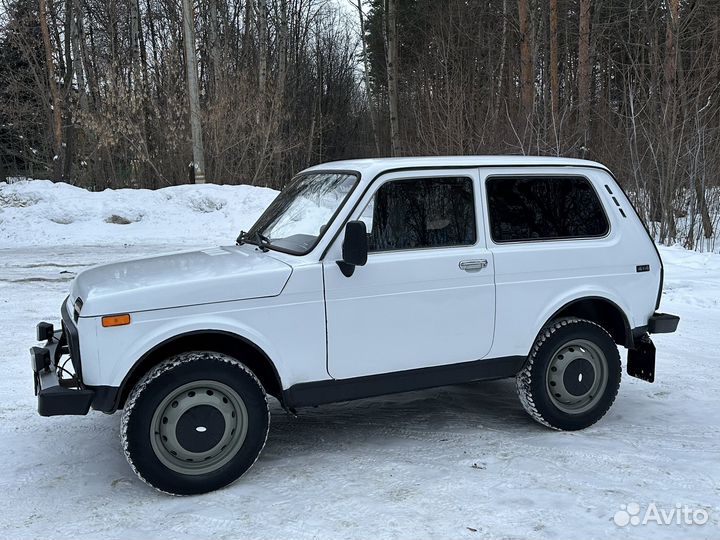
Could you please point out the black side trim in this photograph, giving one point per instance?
(334, 390)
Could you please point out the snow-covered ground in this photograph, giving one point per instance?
(462, 461)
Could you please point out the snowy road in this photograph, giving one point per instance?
(462, 461)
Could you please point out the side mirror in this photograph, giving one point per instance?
(354, 248)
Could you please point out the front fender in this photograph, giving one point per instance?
(120, 348)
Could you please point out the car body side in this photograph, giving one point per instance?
(533, 282)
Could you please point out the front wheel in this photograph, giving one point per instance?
(571, 376)
(195, 423)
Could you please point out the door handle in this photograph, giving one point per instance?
(473, 265)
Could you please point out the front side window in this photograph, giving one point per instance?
(544, 208)
(299, 215)
(421, 213)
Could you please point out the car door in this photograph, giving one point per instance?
(426, 296)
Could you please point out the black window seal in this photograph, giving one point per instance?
(608, 223)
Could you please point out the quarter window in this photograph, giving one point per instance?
(544, 208)
(421, 213)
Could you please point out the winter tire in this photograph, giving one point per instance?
(195, 423)
(571, 376)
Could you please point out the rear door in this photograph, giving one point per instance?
(426, 296)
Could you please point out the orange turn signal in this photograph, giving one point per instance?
(116, 320)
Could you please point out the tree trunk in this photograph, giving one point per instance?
(54, 92)
(503, 52)
(135, 40)
(670, 115)
(262, 60)
(366, 79)
(527, 90)
(193, 92)
(584, 76)
(247, 33)
(392, 75)
(78, 38)
(282, 47)
(214, 37)
(554, 63)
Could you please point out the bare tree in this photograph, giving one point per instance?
(366, 78)
(584, 74)
(392, 76)
(554, 63)
(54, 91)
(527, 90)
(262, 37)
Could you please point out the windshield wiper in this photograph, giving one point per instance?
(259, 239)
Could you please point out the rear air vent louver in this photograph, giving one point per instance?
(622, 212)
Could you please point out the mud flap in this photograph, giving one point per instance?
(641, 360)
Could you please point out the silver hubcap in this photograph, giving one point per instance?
(199, 427)
(577, 376)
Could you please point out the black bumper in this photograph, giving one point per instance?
(663, 323)
(58, 391)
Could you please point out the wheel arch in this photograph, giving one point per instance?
(220, 341)
(602, 311)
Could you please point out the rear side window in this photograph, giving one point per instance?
(544, 208)
(421, 213)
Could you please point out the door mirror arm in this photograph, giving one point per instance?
(354, 248)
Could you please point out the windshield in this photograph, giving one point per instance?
(299, 215)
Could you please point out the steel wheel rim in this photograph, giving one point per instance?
(577, 376)
(199, 427)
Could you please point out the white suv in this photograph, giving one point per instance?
(364, 278)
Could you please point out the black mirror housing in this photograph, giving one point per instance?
(354, 248)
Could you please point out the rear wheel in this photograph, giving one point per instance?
(572, 375)
(195, 423)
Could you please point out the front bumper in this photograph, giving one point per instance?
(59, 391)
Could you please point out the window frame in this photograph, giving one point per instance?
(584, 178)
(475, 206)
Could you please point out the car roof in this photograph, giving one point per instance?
(370, 167)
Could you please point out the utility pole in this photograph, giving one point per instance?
(193, 92)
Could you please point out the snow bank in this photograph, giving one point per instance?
(40, 212)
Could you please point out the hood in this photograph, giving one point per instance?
(180, 279)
